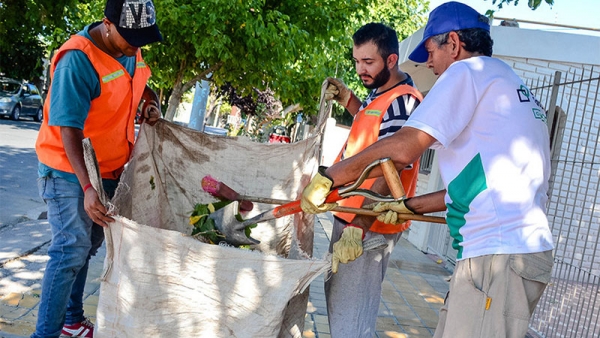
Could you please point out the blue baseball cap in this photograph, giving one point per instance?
(448, 17)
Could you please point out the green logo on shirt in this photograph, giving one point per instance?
(539, 114)
(373, 112)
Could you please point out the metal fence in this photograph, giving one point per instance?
(570, 306)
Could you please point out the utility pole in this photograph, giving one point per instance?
(198, 112)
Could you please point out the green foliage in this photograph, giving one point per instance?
(30, 28)
(533, 4)
(288, 46)
(247, 229)
(204, 226)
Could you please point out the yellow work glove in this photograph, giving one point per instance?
(314, 195)
(394, 210)
(348, 247)
(337, 90)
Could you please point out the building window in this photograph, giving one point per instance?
(426, 161)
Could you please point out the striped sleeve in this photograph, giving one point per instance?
(397, 114)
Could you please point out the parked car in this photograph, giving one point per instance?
(19, 99)
(279, 135)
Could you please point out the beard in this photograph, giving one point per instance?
(379, 80)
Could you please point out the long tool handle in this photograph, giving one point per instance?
(292, 206)
(367, 212)
(265, 200)
(288, 209)
(389, 171)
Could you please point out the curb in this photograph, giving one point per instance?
(10, 335)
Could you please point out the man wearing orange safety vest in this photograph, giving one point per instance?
(353, 290)
(98, 81)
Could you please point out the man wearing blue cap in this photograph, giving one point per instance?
(493, 149)
(98, 81)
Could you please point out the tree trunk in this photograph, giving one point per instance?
(217, 112)
(291, 109)
(210, 107)
(176, 94)
(179, 87)
(174, 101)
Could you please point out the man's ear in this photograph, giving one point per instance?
(392, 61)
(455, 44)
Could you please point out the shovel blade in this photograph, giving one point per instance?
(230, 227)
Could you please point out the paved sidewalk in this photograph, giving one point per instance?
(412, 293)
(23, 257)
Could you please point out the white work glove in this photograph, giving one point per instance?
(337, 90)
(315, 193)
(348, 247)
(394, 212)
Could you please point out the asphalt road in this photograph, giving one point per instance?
(19, 199)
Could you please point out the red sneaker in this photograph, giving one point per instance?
(84, 329)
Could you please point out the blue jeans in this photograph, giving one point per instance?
(75, 238)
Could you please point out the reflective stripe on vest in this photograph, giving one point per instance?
(110, 121)
(364, 132)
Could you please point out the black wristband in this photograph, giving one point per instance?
(321, 172)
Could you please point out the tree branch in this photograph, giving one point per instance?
(201, 76)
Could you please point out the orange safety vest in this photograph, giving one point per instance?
(363, 133)
(109, 123)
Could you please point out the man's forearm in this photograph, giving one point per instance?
(353, 105)
(72, 138)
(404, 148)
(424, 204)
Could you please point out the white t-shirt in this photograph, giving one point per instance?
(494, 157)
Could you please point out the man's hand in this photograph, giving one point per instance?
(314, 195)
(95, 209)
(348, 247)
(394, 212)
(150, 112)
(337, 90)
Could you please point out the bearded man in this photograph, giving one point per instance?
(353, 291)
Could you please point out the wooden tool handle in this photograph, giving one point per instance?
(367, 212)
(224, 191)
(392, 178)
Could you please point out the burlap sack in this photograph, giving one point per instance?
(159, 282)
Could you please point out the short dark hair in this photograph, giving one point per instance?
(382, 36)
(476, 40)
